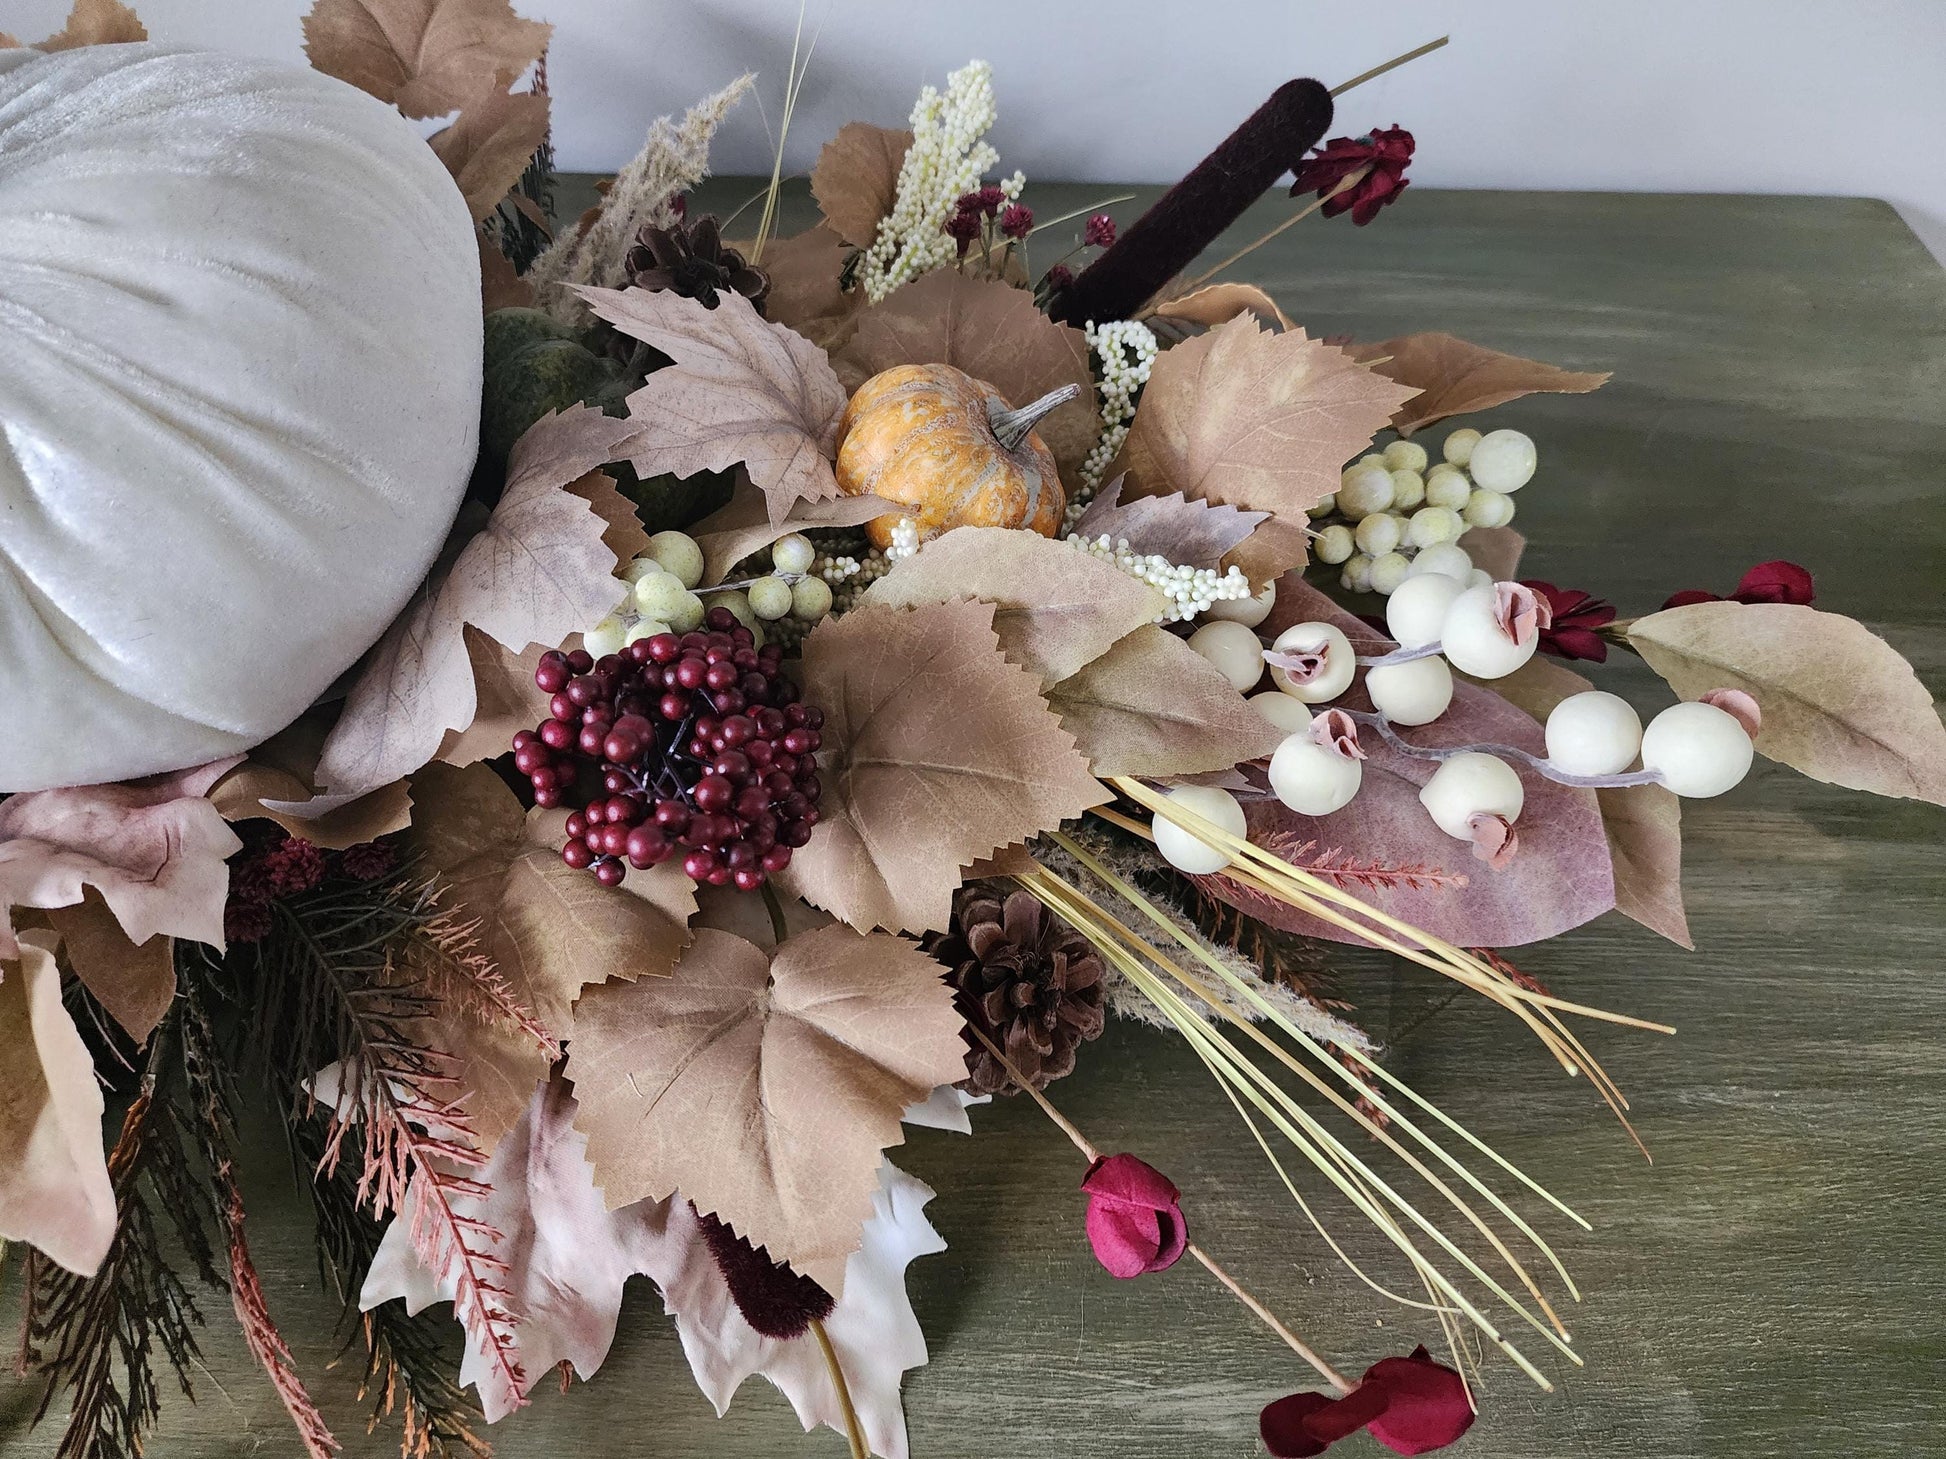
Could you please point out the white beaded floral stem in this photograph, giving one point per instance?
(1541, 766)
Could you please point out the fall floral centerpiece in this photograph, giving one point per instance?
(659, 706)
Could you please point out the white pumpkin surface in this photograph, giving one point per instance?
(239, 390)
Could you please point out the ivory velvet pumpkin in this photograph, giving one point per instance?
(945, 445)
(240, 325)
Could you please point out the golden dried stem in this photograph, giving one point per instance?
(854, 1433)
(1392, 65)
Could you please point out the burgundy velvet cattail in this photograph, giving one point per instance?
(1187, 218)
(773, 1299)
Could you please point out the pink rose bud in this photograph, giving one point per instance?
(1135, 1221)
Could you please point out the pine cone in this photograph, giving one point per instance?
(1027, 980)
(690, 259)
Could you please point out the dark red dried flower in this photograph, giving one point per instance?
(369, 860)
(245, 922)
(1016, 221)
(775, 1300)
(1058, 277)
(991, 198)
(1098, 232)
(1767, 582)
(293, 866)
(1576, 615)
(1411, 1405)
(1135, 1220)
(963, 227)
(1384, 153)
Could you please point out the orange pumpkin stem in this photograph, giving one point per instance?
(1010, 427)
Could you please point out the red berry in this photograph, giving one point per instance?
(577, 855)
(556, 734)
(577, 826)
(673, 706)
(721, 620)
(698, 864)
(546, 797)
(712, 793)
(749, 878)
(672, 816)
(777, 858)
(609, 872)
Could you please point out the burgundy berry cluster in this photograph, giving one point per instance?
(693, 745)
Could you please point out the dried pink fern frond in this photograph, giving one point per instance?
(260, 1332)
(1338, 865)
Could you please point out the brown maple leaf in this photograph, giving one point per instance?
(281, 771)
(427, 57)
(856, 179)
(1188, 532)
(805, 271)
(937, 751)
(742, 391)
(96, 23)
(1153, 706)
(993, 332)
(1458, 378)
(1219, 304)
(1054, 608)
(742, 525)
(538, 572)
(488, 147)
(1246, 418)
(54, 1188)
(135, 982)
(765, 1084)
(546, 929)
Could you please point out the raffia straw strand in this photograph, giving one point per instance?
(1392, 65)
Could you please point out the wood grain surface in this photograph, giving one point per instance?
(1773, 1284)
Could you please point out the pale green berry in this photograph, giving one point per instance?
(1379, 533)
(771, 597)
(1370, 458)
(1357, 576)
(1446, 558)
(1458, 448)
(1449, 489)
(1408, 490)
(1503, 461)
(1405, 456)
(645, 628)
(792, 554)
(687, 616)
(1488, 509)
(1335, 544)
(606, 637)
(1388, 571)
(657, 595)
(738, 602)
(1431, 526)
(678, 554)
(810, 599)
(1322, 509)
(1364, 490)
(640, 568)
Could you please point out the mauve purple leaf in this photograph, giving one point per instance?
(1561, 878)
(1188, 533)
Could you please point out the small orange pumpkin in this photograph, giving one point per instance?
(934, 439)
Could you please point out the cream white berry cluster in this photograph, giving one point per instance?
(660, 593)
(1125, 351)
(1487, 631)
(1394, 516)
(948, 158)
(1190, 590)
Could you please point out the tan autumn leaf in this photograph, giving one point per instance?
(488, 147)
(993, 332)
(742, 525)
(55, 1193)
(1219, 304)
(1494, 550)
(856, 179)
(622, 532)
(508, 700)
(1643, 822)
(742, 391)
(1189, 533)
(134, 982)
(1458, 378)
(1247, 418)
(280, 772)
(937, 751)
(1054, 608)
(1838, 701)
(805, 270)
(1153, 706)
(500, 286)
(538, 572)
(765, 1085)
(427, 57)
(154, 849)
(96, 23)
(545, 928)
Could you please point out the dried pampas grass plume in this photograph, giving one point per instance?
(673, 159)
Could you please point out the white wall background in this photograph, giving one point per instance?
(1785, 96)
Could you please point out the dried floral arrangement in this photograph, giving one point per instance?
(838, 672)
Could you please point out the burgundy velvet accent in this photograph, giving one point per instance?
(775, 1300)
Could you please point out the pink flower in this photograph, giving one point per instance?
(1017, 221)
(1767, 582)
(1098, 232)
(1135, 1221)
(1337, 731)
(1385, 152)
(1411, 1405)
(1521, 612)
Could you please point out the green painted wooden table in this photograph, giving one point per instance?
(1773, 1284)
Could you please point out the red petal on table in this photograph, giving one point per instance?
(1427, 1408)
(1308, 1423)
(1690, 595)
(1775, 582)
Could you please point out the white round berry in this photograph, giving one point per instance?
(1698, 749)
(1378, 534)
(1389, 571)
(1479, 578)
(658, 594)
(1503, 461)
(1414, 692)
(1415, 614)
(1364, 490)
(1448, 487)
(1593, 733)
(1431, 526)
(1248, 611)
(1357, 576)
(1235, 650)
(1335, 544)
(1458, 447)
(1340, 661)
(1471, 784)
(810, 599)
(1488, 509)
(1312, 780)
(678, 554)
(1288, 714)
(1183, 850)
(1405, 456)
(606, 637)
(1448, 558)
(792, 553)
(1475, 643)
(771, 597)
